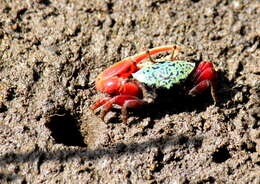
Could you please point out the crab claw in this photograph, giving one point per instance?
(204, 77)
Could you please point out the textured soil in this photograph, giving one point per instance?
(52, 50)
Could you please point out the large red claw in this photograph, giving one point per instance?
(127, 66)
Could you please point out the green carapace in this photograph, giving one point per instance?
(164, 74)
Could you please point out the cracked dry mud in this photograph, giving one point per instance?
(52, 50)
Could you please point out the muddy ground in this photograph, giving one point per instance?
(52, 50)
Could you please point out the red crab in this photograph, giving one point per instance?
(127, 92)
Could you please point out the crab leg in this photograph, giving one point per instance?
(133, 104)
(126, 101)
(99, 103)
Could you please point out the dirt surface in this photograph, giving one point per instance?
(52, 50)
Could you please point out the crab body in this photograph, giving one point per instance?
(125, 81)
(164, 74)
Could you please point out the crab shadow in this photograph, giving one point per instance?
(39, 156)
(169, 102)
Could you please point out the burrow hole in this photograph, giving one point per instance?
(64, 129)
(221, 155)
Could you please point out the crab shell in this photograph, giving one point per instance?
(164, 74)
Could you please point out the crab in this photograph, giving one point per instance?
(126, 81)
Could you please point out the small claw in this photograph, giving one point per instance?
(205, 76)
(204, 71)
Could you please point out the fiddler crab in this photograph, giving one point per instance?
(126, 82)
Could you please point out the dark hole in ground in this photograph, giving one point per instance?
(221, 155)
(64, 130)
